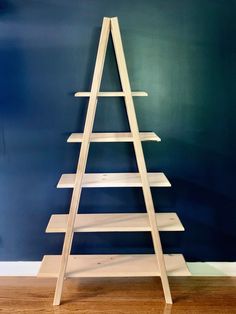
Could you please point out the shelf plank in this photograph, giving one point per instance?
(113, 137)
(138, 265)
(110, 94)
(129, 179)
(115, 222)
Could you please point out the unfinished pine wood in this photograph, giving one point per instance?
(124, 77)
(115, 222)
(110, 94)
(92, 104)
(113, 137)
(100, 180)
(118, 265)
(138, 265)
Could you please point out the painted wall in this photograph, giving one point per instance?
(183, 54)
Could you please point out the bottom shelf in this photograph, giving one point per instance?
(139, 265)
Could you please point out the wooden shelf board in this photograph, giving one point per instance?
(113, 137)
(110, 94)
(115, 222)
(129, 179)
(113, 265)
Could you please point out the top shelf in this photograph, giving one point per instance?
(110, 94)
(113, 137)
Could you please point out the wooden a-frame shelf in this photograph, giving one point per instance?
(115, 222)
(121, 265)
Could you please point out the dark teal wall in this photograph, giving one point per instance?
(183, 53)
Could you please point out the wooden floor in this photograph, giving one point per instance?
(119, 295)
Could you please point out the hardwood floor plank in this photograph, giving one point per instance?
(191, 295)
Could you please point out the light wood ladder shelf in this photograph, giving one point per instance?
(122, 265)
(110, 94)
(100, 180)
(113, 137)
(115, 222)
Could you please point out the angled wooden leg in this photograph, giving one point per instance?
(139, 155)
(83, 156)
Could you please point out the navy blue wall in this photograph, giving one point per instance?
(183, 54)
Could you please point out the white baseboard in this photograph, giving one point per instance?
(212, 268)
(196, 268)
(19, 268)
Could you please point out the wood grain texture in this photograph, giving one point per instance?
(110, 94)
(99, 180)
(122, 265)
(115, 222)
(191, 295)
(113, 137)
(75, 200)
(145, 182)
